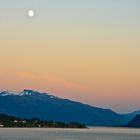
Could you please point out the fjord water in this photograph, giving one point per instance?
(70, 134)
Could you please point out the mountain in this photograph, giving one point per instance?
(135, 122)
(132, 115)
(29, 104)
(135, 113)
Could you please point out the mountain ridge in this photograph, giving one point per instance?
(30, 103)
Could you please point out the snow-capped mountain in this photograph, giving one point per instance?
(29, 104)
(25, 92)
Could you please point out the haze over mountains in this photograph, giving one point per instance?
(29, 104)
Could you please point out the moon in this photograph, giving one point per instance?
(31, 13)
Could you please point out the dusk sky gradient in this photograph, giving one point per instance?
(85, 50)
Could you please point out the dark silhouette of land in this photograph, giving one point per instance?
(10, 121)
(135, 123)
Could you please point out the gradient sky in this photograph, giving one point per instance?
(86, 50)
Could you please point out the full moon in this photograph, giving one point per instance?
(30, 13)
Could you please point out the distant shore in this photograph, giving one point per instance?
(14, 122)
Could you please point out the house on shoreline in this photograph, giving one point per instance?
(1, 125)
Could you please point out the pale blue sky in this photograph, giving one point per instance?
(104, 10)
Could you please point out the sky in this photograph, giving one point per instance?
(85, 50)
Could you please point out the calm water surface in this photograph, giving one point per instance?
(70, 134)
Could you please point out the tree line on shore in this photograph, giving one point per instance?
(10, 121)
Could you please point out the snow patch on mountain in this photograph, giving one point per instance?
(23, 93)
(8, 93)
(26, 92)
